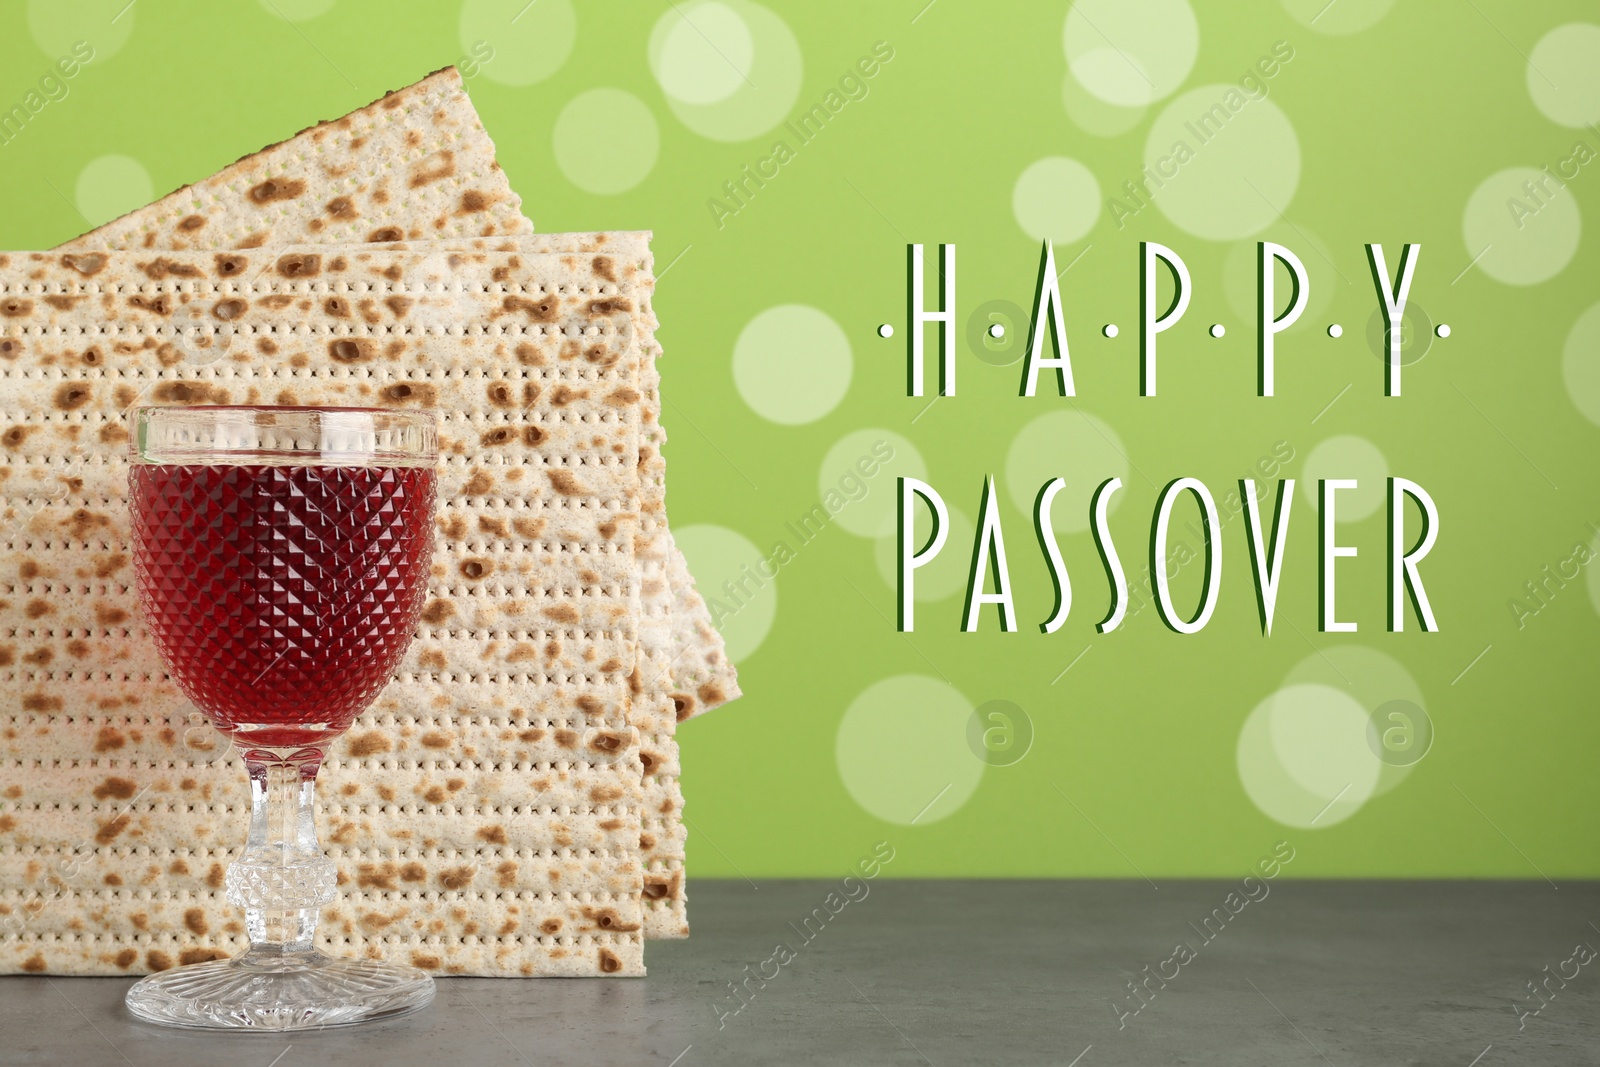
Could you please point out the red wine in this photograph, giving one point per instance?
(281, 597)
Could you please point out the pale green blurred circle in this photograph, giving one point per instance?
(1338, 17)
(530, 40)
(1131, 52)
(706, 54)
(105, 25)
(943, 576)
(297, 10)
(902, 750)
(1239, 273)
(717, 556)
(1564, 74)
(1056, 199)
(768, 81)
(867, 511)
(1580, 364)
(1303, 757)
(1092, 114)
(1239, 178)
(606, 141)
(1520, 248)
(1373, 679)
(792, 364)
(112, 186)
(1076, 447)
(1348, 456)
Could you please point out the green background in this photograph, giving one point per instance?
(1143, 760)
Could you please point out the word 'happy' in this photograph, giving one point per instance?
(1049, 316)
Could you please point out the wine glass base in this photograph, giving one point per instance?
(278, 992)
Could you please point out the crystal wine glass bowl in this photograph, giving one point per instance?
(282, 560)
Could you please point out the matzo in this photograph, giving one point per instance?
(415, 164)
(678, 637)
(657, 708)
(113, 860)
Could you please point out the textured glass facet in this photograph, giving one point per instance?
(281, 597)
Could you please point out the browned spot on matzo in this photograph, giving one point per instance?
(437, 167)
(276, 189)
(565, 482)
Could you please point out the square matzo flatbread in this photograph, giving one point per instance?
(658, 706)
(485, 813)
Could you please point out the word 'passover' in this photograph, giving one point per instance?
(1049, 317)
(1266, 545)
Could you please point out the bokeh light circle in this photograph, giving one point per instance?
(792, 364)
(857, 479)
(606, 141)
(902, 750)
(1236, 181)
(1080, 449)
(1520, 228)
(1131, 52)
(768, 74)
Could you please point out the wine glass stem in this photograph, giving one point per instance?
(282, 879)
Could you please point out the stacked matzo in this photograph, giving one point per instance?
(510, 805)
(416, 165)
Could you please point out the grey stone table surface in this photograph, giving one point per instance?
(964, 972)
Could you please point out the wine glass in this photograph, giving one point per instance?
(282, 559)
